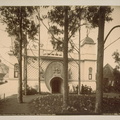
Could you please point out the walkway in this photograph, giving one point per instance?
(11, 106)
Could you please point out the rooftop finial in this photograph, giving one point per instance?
(87, 32)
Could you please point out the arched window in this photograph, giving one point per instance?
(90, 73)
(69, 73)
(16, 70)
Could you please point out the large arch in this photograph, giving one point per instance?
(56, 84)
(53, 72)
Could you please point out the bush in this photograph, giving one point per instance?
(78, 104)
(53, 104)
(30, 91)
(86, 89)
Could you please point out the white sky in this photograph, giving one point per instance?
(5, 41)
(113, 36)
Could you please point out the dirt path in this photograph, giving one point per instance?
(11, 107)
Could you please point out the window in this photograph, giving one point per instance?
(16, 70)
(69, 73)
(90, 73)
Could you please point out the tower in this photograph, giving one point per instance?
(88, 62)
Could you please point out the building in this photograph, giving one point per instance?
(108, 75)
(52, 68)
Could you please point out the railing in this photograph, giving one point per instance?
(52, 53)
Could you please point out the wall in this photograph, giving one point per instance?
(86, 62)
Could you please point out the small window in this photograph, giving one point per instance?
(69, 73)
(16, 70)
(90, 73)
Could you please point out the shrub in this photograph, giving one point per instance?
(30, 91)
(86, 89)
(78, 105)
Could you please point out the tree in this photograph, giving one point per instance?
(97, 17)
(18, 24)
(25, 66)
(20, 98)
(56, 28)
(39, 86)
(65, 60)
(116, 72)
(116, 57)
(65, 23)
(100, 56)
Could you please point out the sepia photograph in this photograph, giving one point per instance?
(59, 60)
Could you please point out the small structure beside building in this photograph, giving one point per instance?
(3, 71)
(108, 76)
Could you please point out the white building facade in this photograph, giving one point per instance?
(52, 68)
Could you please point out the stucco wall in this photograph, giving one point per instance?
(88, 59)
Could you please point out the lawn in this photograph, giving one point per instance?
(78, 105)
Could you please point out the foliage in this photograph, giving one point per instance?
(19, 24)
(78, 105)
(116, 57)
(75, 15)
(10, 16)
(56, 17)
(116, 72)
(30, 91)
(86, 89)
(52, 104)
(109, 89)
(111, 105)
(92, 14)
(116, 80)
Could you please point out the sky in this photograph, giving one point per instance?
(5, 40)
(115, 34)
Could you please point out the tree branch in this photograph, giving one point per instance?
(71, 42)
(73, 58)
(110, 32)
(72, 33)
(39, 18)
(111, 43)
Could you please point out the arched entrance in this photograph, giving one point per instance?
(56, 85)
(53, 76)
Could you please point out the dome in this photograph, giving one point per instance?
(88, 40)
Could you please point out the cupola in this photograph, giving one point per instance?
(88, 40)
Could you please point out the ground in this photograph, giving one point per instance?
(10, 106)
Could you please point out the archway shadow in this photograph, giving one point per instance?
(56, 85)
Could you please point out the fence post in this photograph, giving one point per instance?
(4, 97)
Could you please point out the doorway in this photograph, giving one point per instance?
(56, 85)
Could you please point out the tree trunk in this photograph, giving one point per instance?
(79, 63)
(25, 65)
(39, 86)
(20, 98)
(100, 56)
(65, 60)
